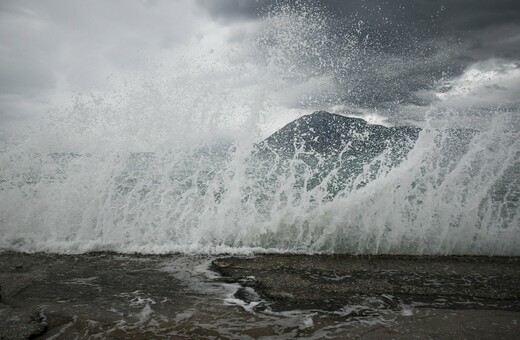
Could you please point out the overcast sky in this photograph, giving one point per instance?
(52, 49)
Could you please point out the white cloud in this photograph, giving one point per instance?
(482, 90)
(490, 84)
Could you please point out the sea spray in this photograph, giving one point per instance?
(167, 162)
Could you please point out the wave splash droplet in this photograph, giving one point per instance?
(178, 161)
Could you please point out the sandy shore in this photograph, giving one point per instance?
(273, 296)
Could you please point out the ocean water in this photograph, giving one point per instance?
(167, 160)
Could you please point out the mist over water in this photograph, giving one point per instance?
(166, 161)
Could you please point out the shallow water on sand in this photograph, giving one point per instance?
(119, 296)
(178, 296)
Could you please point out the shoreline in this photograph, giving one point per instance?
(491, 282)
(116, 295)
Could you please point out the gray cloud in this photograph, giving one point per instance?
(476, 23)
(63, 46)
(413, 43)
(232, 10)
(443, 15)
(55, 47)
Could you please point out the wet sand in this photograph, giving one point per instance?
(332, 281)
(118, 296)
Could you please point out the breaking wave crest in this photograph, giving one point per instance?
(175, 160)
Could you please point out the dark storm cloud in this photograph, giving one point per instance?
(476, 15)
(460, 14)
(413, 43)
(481, 22)
(232, 9)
